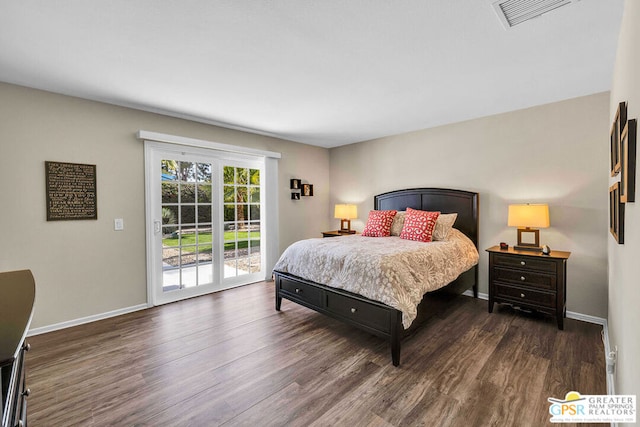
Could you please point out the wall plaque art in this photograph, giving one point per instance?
(70, 191)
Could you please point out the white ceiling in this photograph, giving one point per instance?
(323, 72)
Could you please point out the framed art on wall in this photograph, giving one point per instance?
(294, 184)
(307, 189)
(616, 213)
(628, 162)
(70, 190)
(619, 122)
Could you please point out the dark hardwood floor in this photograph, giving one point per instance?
(230, 359)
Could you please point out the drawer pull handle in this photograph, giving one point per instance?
(27, 392)
(353, 310)
(298, 290)
(523, 263)
(522, 278)
(521, 295)
(27, 347)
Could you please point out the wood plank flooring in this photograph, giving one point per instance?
(230, 359)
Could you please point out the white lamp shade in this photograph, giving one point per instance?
(346, 212)
(529, 215)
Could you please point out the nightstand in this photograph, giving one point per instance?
(529, 280)
(335, 233)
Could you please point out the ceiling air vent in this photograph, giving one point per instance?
(514, 12)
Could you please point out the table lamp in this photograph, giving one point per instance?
(346, 213)
(528, 218)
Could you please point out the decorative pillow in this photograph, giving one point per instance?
(398, 222)
(444, 224)
(379, 223)
(419, 225)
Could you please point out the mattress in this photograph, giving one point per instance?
(393, 271)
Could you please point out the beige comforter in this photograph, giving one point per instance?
(391, 270)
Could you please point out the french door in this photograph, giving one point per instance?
(204, 224)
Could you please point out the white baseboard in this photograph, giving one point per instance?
(570, 314)
(586, 318)
(469, 293)
(83, 320)
(611, 387)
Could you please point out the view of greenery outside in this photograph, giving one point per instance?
(204, 241)
(187, 217)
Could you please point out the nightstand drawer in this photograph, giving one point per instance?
(529, 263)
(525, 296)
(525, 278)
(359, 311)
(302, 292)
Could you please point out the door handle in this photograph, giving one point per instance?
(157, 226)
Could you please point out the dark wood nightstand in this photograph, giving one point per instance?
(529, 280)
(335, 233)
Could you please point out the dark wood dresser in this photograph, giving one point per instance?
(529, 280)
(17, 294)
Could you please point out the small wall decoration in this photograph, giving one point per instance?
(295, 184)
(299, 189)
(619, 122)
(70, 191)
(307, 189)
(628, 162)
(616, 213)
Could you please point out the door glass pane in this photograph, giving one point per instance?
(187, 252)
(169, 192)
(241, 195)
(242, 176)
(229, 174)
(229, 214)
(204, 193)
(229, 194)
(187, 193)
(254, 256)
(254, 195)
(204, 213)
(241, 221)
(187, 171)
(187, 214)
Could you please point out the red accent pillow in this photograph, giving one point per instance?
(419, 225)
(379, 223)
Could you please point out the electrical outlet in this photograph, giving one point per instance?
(118, 224)
(611, 359)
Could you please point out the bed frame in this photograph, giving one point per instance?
(372, 316)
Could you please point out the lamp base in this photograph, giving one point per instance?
(528, 244)
(345, 227)
(528, 248)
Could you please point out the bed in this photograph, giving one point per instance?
(369, 314)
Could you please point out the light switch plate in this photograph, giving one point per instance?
(118, 224)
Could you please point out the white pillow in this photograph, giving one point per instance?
(444, 224)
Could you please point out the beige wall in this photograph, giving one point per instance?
(554, 153)
(624, 285)
(84, 268)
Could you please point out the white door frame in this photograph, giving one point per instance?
(269, 232)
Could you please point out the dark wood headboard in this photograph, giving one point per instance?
(464, 203)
